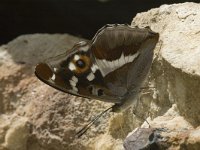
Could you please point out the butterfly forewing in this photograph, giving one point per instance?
(108, 68)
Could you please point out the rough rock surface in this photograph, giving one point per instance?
(175, 73)
(34, 116)
(52, 117)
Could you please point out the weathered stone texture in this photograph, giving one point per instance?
(34, 116)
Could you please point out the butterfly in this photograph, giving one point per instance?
(111, 67)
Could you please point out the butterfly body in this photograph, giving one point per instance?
(111, 67)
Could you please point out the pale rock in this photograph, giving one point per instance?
(175, 74)
(14, 132)
(172, 102)
(106, 142)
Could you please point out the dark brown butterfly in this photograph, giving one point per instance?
(111, 67)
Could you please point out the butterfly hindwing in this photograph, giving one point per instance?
(123, 55)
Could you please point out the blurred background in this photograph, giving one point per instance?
(77, 17)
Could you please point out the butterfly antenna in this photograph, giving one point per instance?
(86, 127)
(141, 118)
(135, 113)
(148, 123)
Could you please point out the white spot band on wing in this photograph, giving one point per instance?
(72, 66)
(76, 57)
(108, 66)
(75, 79)
(73, 83)
(94, 68)
(91, 76)
(53, 77)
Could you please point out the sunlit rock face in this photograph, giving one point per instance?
(35, 116)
